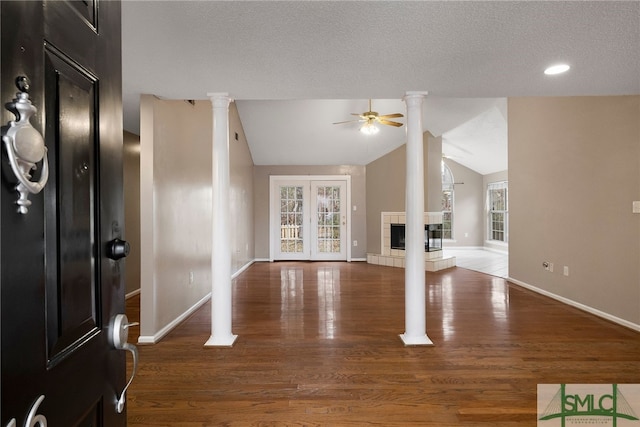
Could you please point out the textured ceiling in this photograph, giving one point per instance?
(314, 62)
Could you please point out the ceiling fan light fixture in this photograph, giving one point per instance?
(370, 118)
(369, 128)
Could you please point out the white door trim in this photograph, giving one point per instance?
(274, 204)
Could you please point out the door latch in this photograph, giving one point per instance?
(119, 335)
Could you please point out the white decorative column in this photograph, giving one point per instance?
(221, 297)
(414, 282)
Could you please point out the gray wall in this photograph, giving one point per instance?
(358, 199)
(574, 171)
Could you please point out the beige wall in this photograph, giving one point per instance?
(176, 208)
(131, 177)
(386, 188)
(574, 171)
(432, 172)
(385, 192)
(241, 194)
(468, 201)
(358, 199)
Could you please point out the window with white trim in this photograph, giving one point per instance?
(498, 212)
(447, 202)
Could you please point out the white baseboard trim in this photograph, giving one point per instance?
(477, 248)
(243, 268)
(153, 339)
(132, 294)
(270, 260)
(463, 248)
(358, 259)
(572, 303)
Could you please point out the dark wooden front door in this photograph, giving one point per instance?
(59, 288)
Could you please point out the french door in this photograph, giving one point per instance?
(309, 218)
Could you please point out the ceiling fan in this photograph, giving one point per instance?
(370, 118)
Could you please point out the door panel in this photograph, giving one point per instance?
(329, 220)
(87, 10)
(70, 233)
(58, 288)
(293, 226)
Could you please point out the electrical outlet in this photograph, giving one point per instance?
(355, 243)
(566, 270)
(191, 277)
(550, 267)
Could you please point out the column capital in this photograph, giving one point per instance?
(413, 93)
(220, 99)
(414, 98)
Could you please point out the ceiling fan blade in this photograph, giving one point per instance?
(348, 121)
(390, 123)
(358, 115)
(391, 116)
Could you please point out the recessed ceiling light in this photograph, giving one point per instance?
(556, 69)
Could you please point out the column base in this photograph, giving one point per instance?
(419, 340)
(216, 341)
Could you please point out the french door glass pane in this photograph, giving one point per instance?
(328, 214)
(291, 220)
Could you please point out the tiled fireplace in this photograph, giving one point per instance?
(434, 260)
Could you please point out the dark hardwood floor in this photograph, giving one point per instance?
(318, 345)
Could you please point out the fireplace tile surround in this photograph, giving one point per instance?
(434, 261)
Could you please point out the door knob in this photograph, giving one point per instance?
(117, 249)
(118, 337)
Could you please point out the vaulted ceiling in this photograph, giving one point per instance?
(296, 67)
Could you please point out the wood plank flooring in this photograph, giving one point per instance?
(318, 345)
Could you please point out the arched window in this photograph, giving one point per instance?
(447, 202)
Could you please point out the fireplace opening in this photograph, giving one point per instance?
(397, 236)
(432, 237)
